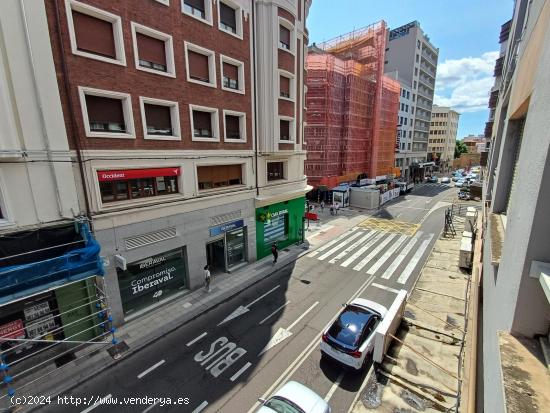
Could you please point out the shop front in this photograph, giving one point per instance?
(226, 247)
(149, 281)
(282, 222)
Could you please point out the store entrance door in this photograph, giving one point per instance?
(215, 256)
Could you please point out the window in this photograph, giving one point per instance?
(414, 84)
(198, 9)
(405, 121)
(106, 114)
(235, 126)
(284, 37)
(417, 56)
(219, 176)
(204, 124)
(285, 130)
(153, 50)
(200, 65)
(123, 185)
(286, 86)
(160, 119)
(232, 74)
(230, 18)
(409, 146)
(416, 71)
(408, 95)
(418, 44)
(95, 33)
(275, 171)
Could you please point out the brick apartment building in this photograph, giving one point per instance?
(177, 166)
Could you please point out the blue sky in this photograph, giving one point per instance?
(466, 32)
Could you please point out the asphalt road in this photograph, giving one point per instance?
(217, 366)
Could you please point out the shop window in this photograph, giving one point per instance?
(219, 176)
(153, 50)
(160, 119)
(95, 33)
(230, 18)
(284, 37)
(275, 171)
(200, 65)
(123, 185)
(204, 124)
(235, 126)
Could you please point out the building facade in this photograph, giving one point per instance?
(442, 141)
(50, 268)
(475, 144)
(411, 54)
(516, 257)
(352, 107)
(405, 129)
(160, 105)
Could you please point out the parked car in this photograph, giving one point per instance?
(459, 183)
(446, 180)
(433, 179)
(455, 178)
(350, 339)
(294, 397)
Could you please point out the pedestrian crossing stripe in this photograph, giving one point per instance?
(374, 252)
(391, 269)
(334, 241)
(363, 248)
(390, 225)
(341, 245)
(372, 270)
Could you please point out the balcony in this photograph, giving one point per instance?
(505, 31)
(488, 129)
(429, 58)
(493, 99)
(428, 70)
(428, 82)
(499, 65)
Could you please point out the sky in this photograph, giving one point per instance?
(465, 31)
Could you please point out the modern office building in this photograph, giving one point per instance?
(179, 166)
(516, 257)
(410, 53)
(351, 109)
(442, 141)
(405, 128)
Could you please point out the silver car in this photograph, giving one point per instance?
(294, 397)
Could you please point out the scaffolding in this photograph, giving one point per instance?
(349, 102)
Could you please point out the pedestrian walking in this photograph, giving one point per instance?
(322, 206)
(275, 252)
(207, 278)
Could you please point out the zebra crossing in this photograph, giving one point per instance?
(376, 252)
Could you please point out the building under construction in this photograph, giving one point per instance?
(351, 109)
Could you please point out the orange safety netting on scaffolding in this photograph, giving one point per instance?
(345, 102)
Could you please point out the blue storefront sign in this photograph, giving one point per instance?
(228, 226)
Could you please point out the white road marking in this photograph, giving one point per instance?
(262, 296)
(414, 261)
(350, 248)
(200, 407)
(196, 339)
(404, 252)
(339, 246)
(245, 309)
(241, 371)
(374, 252)
(334, 387)
(363, 249)
(310, 348)
(150, 369)
(187, 305)
(384, 287)
(331, 243)
(376, 266)
(303, 315)
(275, 312)
(99, 403)
(150, 407)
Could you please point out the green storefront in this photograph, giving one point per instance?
(281, 222)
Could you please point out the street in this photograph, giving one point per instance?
(248, 346)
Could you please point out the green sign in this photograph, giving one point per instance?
(147, 281)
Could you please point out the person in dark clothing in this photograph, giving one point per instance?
(275, 252)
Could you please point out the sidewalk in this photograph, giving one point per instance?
(422, 372)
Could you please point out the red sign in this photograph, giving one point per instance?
(13, 329)
(312, 216)
(125, 174)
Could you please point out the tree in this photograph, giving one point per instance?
(460, 148)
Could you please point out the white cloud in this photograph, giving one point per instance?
(465, 84)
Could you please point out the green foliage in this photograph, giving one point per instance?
(460, 148)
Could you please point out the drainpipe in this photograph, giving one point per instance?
(42, 117)
(74, 131)
(255, 93)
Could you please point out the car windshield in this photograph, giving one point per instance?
(348, 328)
(282, 405)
